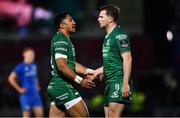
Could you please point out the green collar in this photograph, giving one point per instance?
(108, 34)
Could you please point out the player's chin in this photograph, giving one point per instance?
(31, 61)
(72, 31)
(102, 26)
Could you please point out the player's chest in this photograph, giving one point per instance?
(71, 51)
(108, 44)
(106, 47)
(29, 71)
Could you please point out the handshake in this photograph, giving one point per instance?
(89, 76)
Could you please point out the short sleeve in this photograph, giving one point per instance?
(60, 49)
(122, 43)
(17, 69)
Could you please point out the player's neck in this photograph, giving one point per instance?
(27, 61)
(66, 33)
(110, 27)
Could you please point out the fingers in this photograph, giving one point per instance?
(126, 94)
(91, 83)
(91, 77)
(91, 73)
(22, 90)
(125, 91)
(101, 77)
(88, 83)
(89, 86)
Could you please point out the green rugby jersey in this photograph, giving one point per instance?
(115, 43)
(61, 46)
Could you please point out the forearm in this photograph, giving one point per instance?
(37, 85)
(99, 70)
(64, 69)
(12, 80)
(14, 84)
(127, 68)
(80, 69)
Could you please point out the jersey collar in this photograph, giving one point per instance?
(108, 34)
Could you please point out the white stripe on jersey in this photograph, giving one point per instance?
(58, 55)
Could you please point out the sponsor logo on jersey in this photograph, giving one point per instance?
(115, 94)
(117, 86)
(105, 51)
(121, 36)
(106, 48)
(122, 40)
(123, 43)
(61, 49)
(60, 42)
(62, 97)
(30, 71)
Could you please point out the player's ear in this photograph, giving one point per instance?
(62, 26)
(110, 19)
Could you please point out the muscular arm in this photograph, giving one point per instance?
(127, 66)
(68, 73)
(12, 80)
(64, 69)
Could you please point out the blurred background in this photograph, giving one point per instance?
(154, 30)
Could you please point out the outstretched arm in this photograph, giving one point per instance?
(99, 70)
(68, 73)
(80, 69)
(98, 73)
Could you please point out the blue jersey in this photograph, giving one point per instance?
(27, 74)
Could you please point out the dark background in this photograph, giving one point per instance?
(156, 60)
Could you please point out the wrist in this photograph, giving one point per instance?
(78, 79)
(19, 89)
(125, 83)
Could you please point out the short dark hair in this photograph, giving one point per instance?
(59, 18)
(112, 11)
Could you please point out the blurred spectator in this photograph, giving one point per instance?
(22, 12)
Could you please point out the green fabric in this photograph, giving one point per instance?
(115, 43)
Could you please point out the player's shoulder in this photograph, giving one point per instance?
(59, 38)
(19, 65)
(120, 34)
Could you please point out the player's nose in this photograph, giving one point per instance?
(98, 19)
(74, 23)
